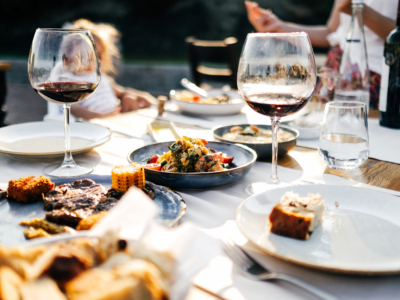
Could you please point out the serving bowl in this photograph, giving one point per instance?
(209, 109)
(244, 159)
(263, 150)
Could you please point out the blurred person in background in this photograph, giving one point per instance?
(109, 99)
(379, 20)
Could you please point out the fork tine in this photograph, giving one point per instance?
(236, 254)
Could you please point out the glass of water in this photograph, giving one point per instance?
(344, 141)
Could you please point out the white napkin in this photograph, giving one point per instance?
(191, 248)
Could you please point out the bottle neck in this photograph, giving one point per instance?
(398, 15)
(357, 9)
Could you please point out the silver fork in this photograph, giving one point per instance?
(253, 270)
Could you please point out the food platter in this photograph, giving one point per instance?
(172, 208)
(40, 139)
(263, 150)
(244, 159)
(360, 232)
(209, 109)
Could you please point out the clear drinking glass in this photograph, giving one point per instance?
(277, 78)
(64, 68)
(344, 141)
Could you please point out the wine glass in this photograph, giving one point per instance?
(276, 77)
(64, 68)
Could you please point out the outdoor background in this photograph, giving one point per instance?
(153, 34)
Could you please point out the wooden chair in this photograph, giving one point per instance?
(4, 66)
(221, 53)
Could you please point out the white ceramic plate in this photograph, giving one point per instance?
(210, 109)
(360, 236)
(47, 138)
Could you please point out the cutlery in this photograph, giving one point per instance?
(194, 88)
(253, 270)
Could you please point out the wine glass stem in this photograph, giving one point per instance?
(68, 160)
(274, 170)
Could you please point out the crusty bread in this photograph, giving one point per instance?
(296, 217)
(41, 289)
(29, 189)
(9, 284)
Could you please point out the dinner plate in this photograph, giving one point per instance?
(244, 159)
(47, 138)
(360, 232)
(172, 208)
(207, 109)
(263, 150)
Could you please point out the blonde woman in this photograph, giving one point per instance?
(109, 99)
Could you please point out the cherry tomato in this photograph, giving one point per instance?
(153, 159)
(223, 158)
(203, 141)
(155, 167)
(196, 98)
(226, 158)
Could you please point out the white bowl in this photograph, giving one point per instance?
(209, 109)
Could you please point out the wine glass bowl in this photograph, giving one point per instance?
(64, 68)
(276, 77)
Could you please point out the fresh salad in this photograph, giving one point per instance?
(189, 155)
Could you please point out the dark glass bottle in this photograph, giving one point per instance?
(389, 98)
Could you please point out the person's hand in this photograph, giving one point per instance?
(112, 113)
(263, 20)
(130, 101)
(344, 6)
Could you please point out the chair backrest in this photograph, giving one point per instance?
(223, 53)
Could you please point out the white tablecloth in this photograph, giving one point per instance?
(209, 211)
(384, 142)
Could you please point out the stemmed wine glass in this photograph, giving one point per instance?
(276, 77)
(64, 68)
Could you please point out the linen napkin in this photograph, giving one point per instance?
(191, 248)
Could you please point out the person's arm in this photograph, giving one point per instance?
(132, 99)
(375, 21)
(264, 20)
(80, 111)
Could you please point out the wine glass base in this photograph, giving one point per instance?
(260, 187)
(72, 170)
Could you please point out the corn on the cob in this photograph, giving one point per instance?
(123, 177)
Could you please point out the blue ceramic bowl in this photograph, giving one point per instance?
(263, 150)
(244, 158)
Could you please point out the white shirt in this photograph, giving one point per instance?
(374, 43)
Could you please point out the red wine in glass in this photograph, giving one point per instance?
(273, 105)
(64, 67)
(65, 92)
(276, 77)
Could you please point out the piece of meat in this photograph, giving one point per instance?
(105, 205)
(83, 193)
(66, 217)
